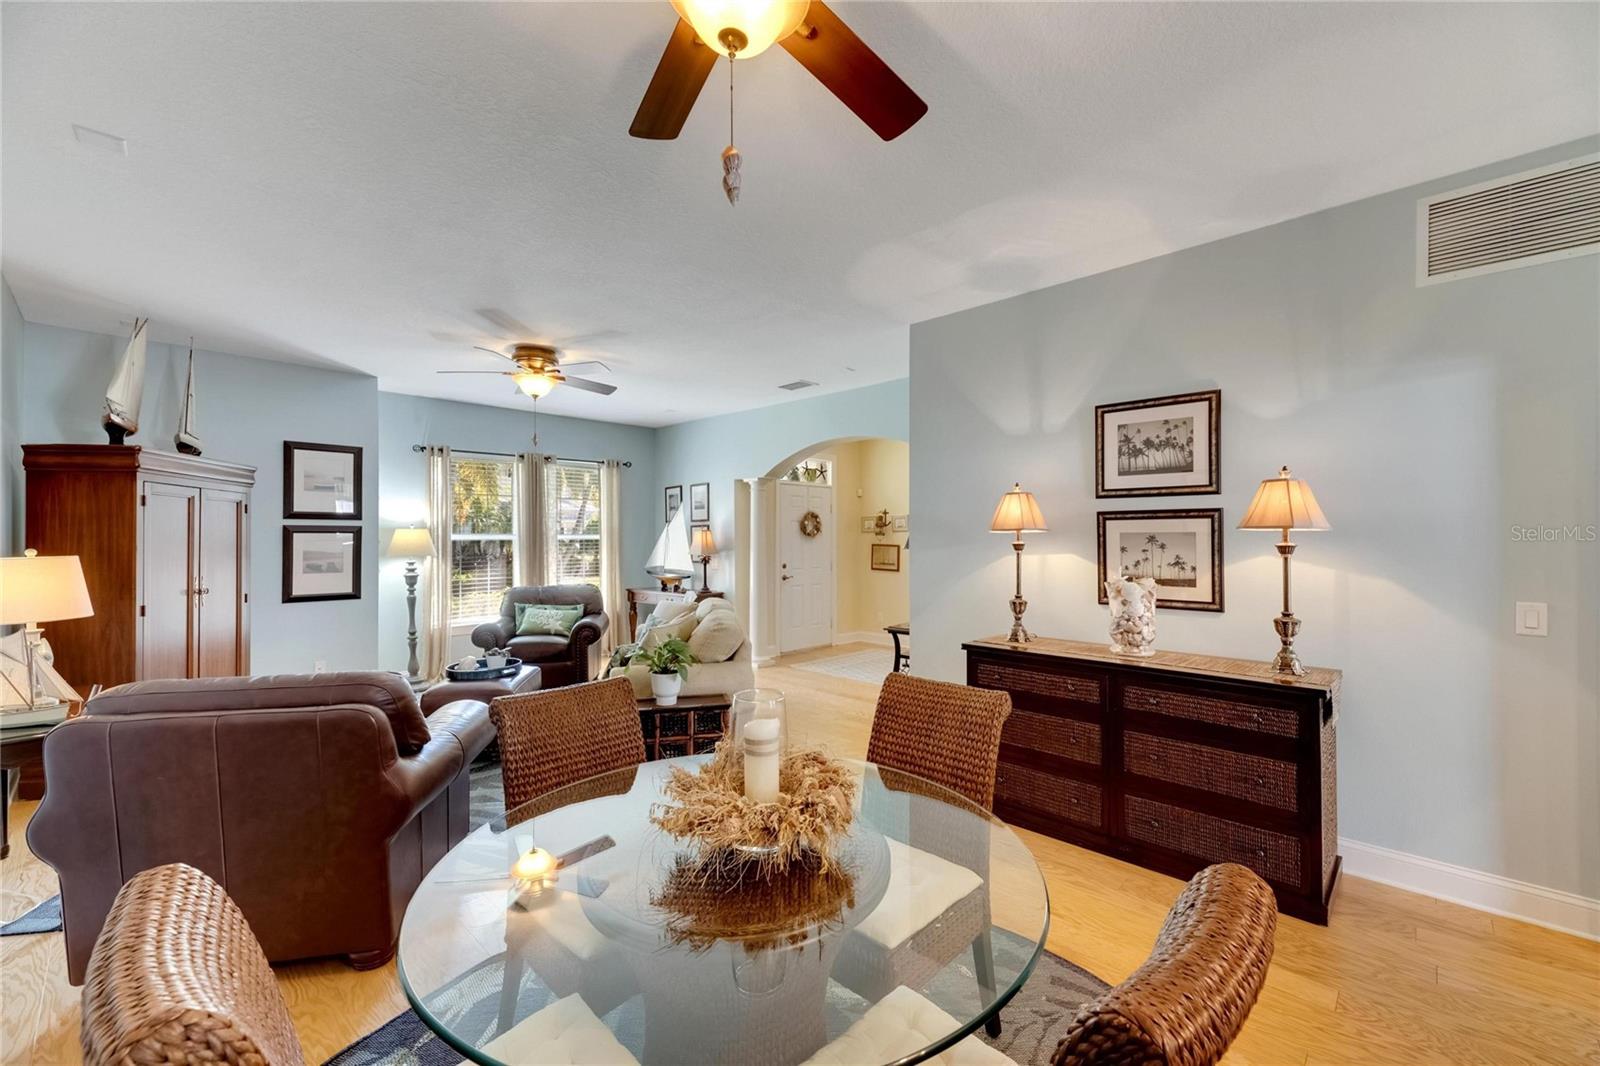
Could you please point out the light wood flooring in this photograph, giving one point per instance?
(1394, 978)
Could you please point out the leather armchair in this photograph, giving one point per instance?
(563, 660)
(318, 802)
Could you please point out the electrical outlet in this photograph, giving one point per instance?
(1533, 619)
(320, 666)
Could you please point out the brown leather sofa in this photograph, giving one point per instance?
(318, 802)
(564, 660)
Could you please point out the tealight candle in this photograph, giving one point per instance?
(761, 760)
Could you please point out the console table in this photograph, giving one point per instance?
(1173, 762)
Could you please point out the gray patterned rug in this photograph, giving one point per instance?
(1034, 1021)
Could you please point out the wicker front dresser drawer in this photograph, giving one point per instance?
(1173, 761)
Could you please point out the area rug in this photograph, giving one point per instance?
(45, 918)
(870, 666)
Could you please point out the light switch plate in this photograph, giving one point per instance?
(1533, 620)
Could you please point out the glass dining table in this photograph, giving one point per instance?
(631, 944)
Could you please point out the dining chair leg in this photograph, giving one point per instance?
(510, 988)
(983, 964)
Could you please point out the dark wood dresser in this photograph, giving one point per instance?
(1173, 762)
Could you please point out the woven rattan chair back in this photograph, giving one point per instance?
(549, 740)
(1191, 997)
(947, 733)
(177, 977)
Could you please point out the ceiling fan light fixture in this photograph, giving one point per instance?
(536, 385)
(761, 23)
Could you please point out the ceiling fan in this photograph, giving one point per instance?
(539, 370)
(743, 29)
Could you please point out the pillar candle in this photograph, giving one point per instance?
(761, 760)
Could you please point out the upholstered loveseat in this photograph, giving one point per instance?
(566, 660)
(706, 678)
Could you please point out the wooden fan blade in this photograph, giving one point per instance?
(591, 386)
(832, 52)
(497, 373)
(585, 365)
(683, 69)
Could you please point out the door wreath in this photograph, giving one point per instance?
(811, 523)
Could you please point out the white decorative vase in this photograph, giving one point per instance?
(1133, 615)
(666, 688)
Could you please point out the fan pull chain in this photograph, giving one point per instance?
(730, 154)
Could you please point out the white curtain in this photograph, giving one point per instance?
(441, 523)
(611, 588)
(528, 488)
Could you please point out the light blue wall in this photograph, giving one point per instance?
(1431, 421)
(246, 409)
(11, 327)
(407, 420)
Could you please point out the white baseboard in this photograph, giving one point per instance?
(1549, 907)
(874, 636)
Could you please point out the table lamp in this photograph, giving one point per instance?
(1018, 513)
(1285, 503)
(38, 588)
(703, 547)
(411, 544)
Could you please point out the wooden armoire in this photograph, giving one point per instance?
(165, 544)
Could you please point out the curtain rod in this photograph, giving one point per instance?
(513, 455)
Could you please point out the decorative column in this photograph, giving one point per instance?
(762, 579)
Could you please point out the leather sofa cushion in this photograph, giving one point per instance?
(540, 649)
(387, 692)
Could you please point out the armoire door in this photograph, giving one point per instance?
(223, 600)
(167, 580)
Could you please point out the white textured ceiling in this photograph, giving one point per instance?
(357, 184)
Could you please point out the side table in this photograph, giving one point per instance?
(692, 726)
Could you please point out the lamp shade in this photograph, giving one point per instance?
(1284, 502)
(701, 542)
(42, 588)
(1018, 512)
(410, 543)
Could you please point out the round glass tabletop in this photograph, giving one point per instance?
(630, 951)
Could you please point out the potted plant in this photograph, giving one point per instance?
(669, 664)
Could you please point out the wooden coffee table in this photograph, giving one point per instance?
(692, 726)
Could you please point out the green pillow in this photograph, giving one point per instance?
(547, 619)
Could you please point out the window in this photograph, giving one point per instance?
(815, 471)
(572, 514)
(482, 541)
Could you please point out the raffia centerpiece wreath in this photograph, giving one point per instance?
(735, 835)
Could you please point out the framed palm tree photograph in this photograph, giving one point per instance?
(1180, 550)
(1164, 446)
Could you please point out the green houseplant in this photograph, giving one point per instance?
(669, 664)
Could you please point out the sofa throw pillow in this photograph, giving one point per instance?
(680, 627)
(547, 619)
(717, 637)
(713, 603)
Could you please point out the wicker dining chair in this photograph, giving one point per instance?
(1185, 1005)
(947, 733)
(549, 740)
(177, 977)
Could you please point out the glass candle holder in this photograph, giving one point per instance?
(753, 703)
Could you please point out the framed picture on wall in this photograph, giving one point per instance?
(700, 502)
(886, 557)
(321, 480)
(321, 563)
(1166, 446)
(1181, 550)
(869, 523)
(674, 500)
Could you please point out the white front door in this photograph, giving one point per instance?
(805, 567)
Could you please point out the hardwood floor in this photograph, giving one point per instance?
(1394, 978)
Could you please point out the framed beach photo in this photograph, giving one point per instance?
(321, 563)
(1166, 446)
(1181, 550)
(321, 480)
(674, 500)
(700, 503)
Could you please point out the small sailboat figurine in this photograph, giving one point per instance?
(669, 561)
(126, 391)
(187, 440)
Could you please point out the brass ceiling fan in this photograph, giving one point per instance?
(539, 370)
(743, 29)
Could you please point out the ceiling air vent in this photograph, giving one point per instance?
(796, 386)
(1544, 214)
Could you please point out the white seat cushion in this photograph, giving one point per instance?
(922, 886)
(566, 1033)
(899, 1024)
(562, 919)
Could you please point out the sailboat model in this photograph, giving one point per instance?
(126, 391)
(187, 440)
(669, 561)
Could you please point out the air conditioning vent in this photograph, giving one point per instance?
(796, 386)
(1545, 214)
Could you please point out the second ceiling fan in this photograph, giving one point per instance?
(742, 29)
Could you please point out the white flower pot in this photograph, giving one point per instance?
(666, 688)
